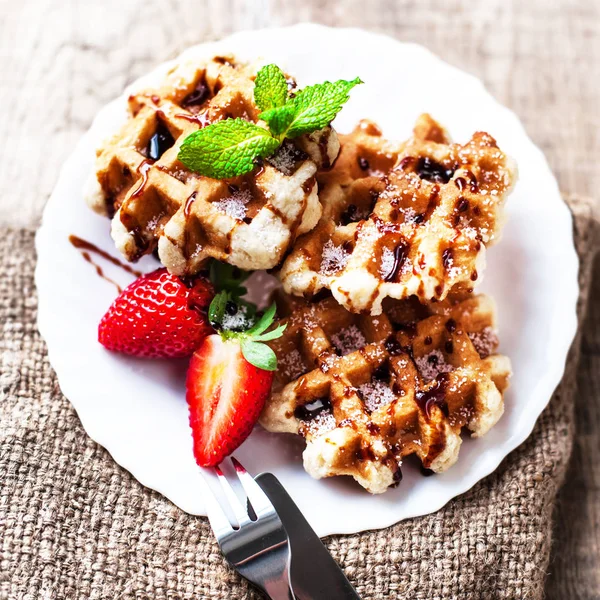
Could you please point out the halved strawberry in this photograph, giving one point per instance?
(225, 395)
(158, 316)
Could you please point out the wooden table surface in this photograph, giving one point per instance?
(61, 60)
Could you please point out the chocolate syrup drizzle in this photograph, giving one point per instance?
(87, 248)
(434, 396)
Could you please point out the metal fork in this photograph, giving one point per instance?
(258, 549)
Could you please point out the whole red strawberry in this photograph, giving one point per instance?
(158, 316)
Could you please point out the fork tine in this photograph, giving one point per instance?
(260, 503)
(239, 511)
(218, 519)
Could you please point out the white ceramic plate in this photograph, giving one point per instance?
(136, 409)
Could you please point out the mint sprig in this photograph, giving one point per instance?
(225, 309)
(311, 109)
(231, 147)
(227, 148)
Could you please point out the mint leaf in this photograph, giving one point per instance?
(226, 149)
(313, 108)
(265, 321)
(270, 88)
(216, 310)
(259, 355)
(279, 119)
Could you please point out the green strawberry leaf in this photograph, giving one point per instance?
(227, 277)
(235, 317)
(264, 322)
(259, 355)
(270, 335)
(270, 88)
(216, 310)
(227, 148)
(313, 108)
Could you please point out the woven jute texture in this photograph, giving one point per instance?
(73, 524)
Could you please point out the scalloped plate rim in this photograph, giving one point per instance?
(490, 460)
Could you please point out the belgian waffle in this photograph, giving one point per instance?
(412, 219)
(248, 221)
(366, 391)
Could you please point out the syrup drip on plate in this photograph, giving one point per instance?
(87, 249)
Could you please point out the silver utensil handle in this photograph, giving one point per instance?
(277, 583)
(279, 590)
(314, 573)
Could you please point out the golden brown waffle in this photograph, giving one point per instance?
(418, 225)
(248, 221)
(366, 391)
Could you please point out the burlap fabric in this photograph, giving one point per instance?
(73, 524)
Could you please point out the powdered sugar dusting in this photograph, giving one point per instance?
(184, 175)
(291, 365)
(327, 362)
(153, 223)
(433, 364)
(369, 234)
(485, 341)
(409, 213)
(238, 321)
(322, 423)
(453, 271)
(286, 158)
(348, 340)
(460, 416)
(334, 258)
(375, 394)
(387, 262)
(234, 205)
